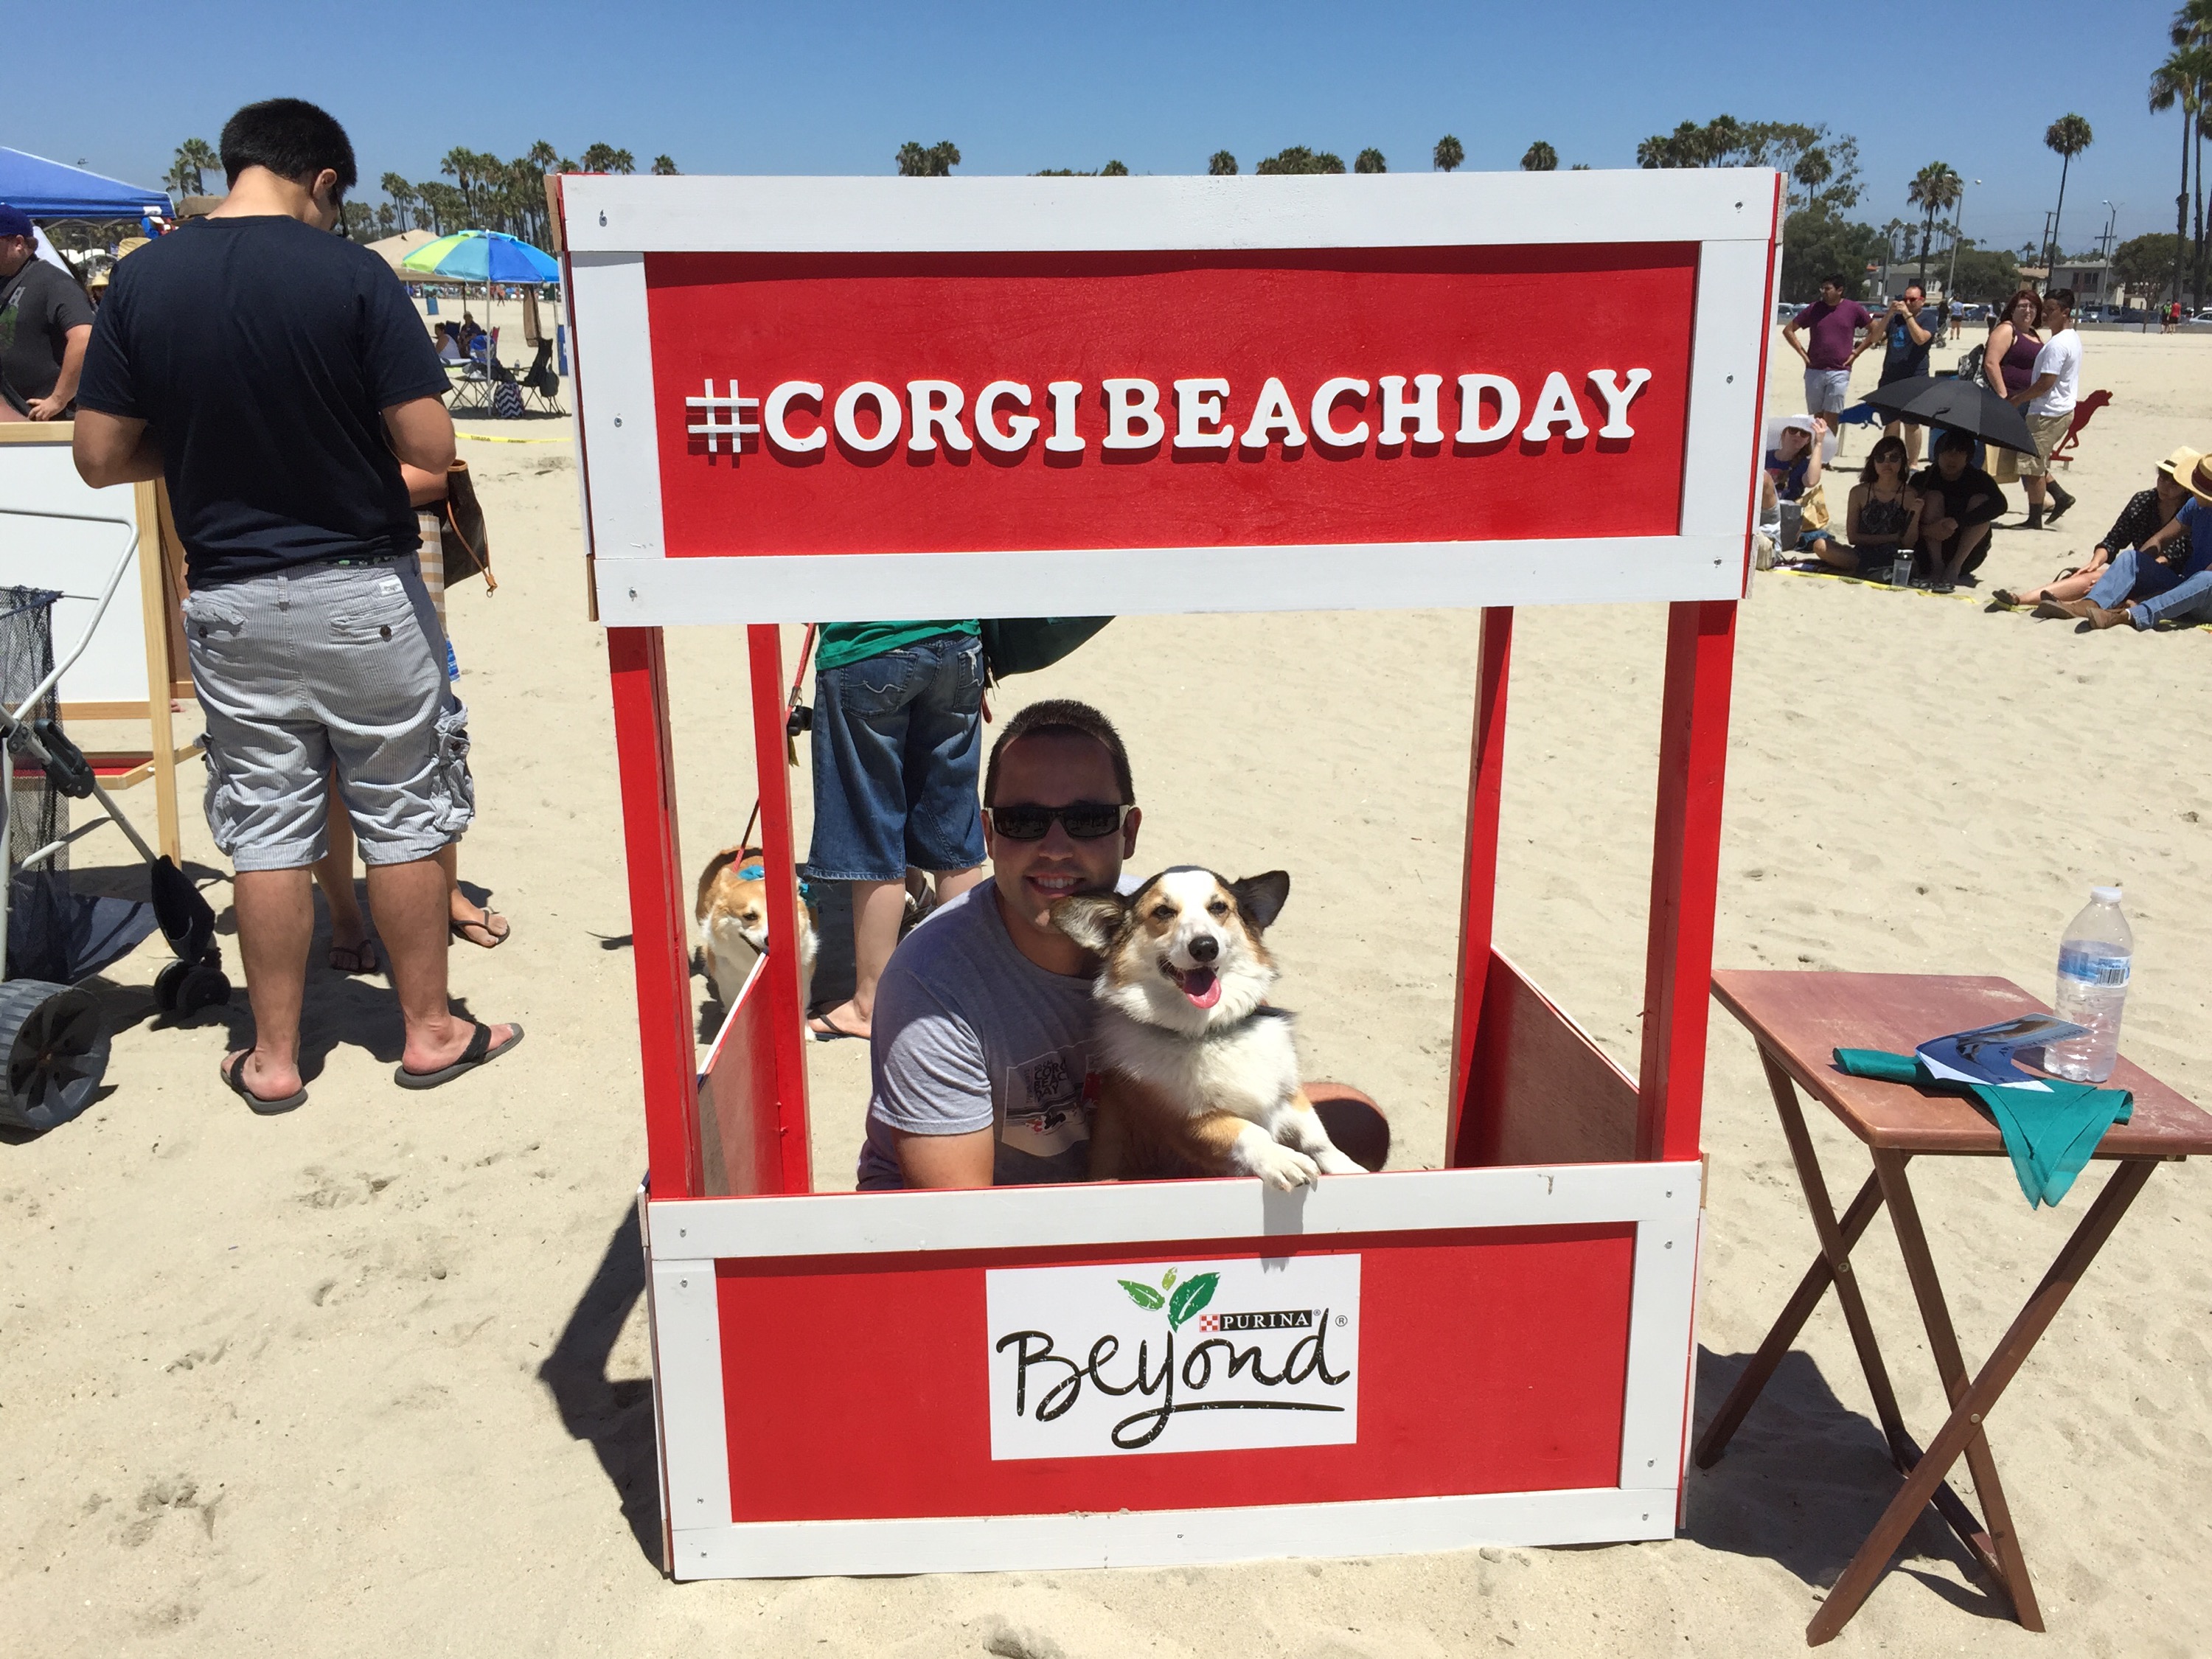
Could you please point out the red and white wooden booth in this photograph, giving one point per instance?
(806, 399)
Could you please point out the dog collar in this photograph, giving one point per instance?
(752, 873)
(1223, 1033)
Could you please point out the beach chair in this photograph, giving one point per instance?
(541, 386)
(2088, 406)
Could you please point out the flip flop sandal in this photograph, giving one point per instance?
(357, 959)
(265, 1108)
(480, 1051)
(461, 930)
(830, 1031)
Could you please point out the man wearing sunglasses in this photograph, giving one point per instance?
(980, 1049)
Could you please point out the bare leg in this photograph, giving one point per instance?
(334, 875)
(412, 901)
(951, 884)
(1834, 554)
(2033, 483)
(879, 907)
(480, 925)
(276, 922)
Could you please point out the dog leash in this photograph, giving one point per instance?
(792, 725)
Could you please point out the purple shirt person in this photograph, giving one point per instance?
(1833, 322)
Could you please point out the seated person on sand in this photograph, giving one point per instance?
(1792, 467)
(2167, 576)
(980, 1052)
(1883, 516)
(2147, 512)
(1958, 502)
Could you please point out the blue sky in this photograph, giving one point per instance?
(831, 88)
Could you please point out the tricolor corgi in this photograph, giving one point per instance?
(1196, 1067)
(733, 914)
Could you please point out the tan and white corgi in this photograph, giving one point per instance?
(1196, 1068)
(732, 915)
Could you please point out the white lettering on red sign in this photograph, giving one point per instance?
(869, 417)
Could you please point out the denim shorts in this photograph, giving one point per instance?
(326, 667)
(898, 739)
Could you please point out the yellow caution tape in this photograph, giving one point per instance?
(500, 438)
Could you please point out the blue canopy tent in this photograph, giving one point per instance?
(48, 190)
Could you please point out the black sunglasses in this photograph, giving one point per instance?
(1083, 820)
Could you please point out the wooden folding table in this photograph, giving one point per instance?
(1798, 1020)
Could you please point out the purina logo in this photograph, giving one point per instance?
(1091, 1362)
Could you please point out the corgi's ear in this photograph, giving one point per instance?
(1260, 898)
(1090, 920)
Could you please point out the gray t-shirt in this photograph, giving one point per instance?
(970, 1034)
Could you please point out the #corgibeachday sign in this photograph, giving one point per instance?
(849, 397)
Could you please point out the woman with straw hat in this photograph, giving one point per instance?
(2155, 563)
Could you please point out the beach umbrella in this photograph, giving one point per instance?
(1962, 405)
(481, 256)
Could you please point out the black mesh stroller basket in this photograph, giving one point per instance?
(38, 814)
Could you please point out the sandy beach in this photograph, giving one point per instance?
(370, 1379)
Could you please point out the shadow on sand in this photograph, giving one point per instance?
(1804, 1481)
(615, 1414)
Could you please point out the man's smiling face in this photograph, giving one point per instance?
(1055, 769)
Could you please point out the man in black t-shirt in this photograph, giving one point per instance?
(1905, 356)
(1958, 502)
(277, 378)
(46, 323)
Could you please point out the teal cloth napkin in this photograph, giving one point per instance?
(2049, 1136)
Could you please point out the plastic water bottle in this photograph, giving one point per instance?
(2094, 962)
(1901, 569)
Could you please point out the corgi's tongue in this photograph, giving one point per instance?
(1200, 984)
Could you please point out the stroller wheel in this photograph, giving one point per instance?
(54, 1045)
(166, 984)
(202, 987)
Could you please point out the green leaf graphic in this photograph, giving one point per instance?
(1143, 1295)
(1168, 1284)
(1194, 1294)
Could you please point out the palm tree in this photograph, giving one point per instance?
(664, 167)
(2070, 135)
(1540, 157)
(2179, 81)
(1221, 165)
(1813, 169)
(1370, 160)
(1449, 153)
(194, 157)
(1933, 189)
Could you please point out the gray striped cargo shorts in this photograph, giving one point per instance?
(328, 667)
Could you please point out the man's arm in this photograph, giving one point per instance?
(1920, 336)
(50, 408)
(113, 449)
(2029, 393)
(962, 1160)
(1790, 333)
(1867, 337)
(421, 433)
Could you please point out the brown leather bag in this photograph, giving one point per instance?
(468, 547)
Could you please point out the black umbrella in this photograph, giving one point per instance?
(1961, 405)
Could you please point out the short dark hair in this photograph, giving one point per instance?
(1913, 288)
(290, 136)
(1835, 279)
(1951, 438)
(2060, 296)
(1062, 714)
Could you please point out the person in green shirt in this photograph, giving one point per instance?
(898, 740)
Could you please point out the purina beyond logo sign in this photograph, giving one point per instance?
(1205, 1356)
